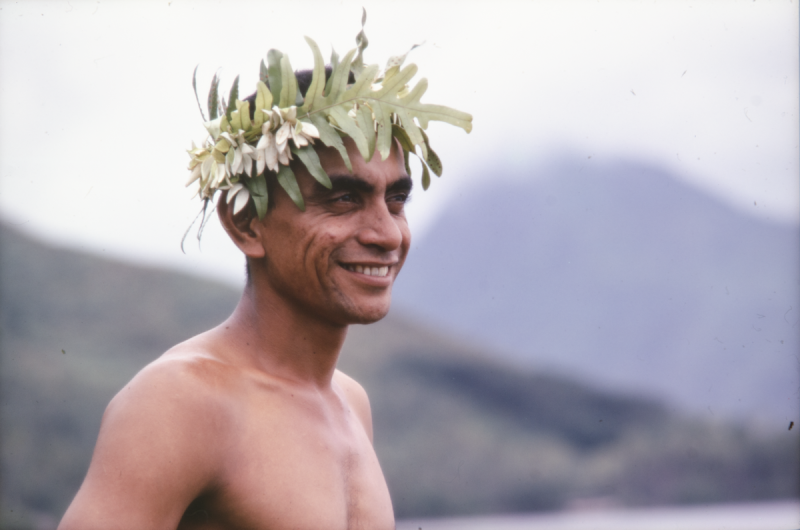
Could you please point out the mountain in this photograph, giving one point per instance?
(622, 275)
(457, 431)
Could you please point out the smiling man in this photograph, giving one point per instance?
(250, 425)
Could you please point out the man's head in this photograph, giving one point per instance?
(316, 166)
(337, 259)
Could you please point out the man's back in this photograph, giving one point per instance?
(240, 448)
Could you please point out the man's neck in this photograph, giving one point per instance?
(268, 333)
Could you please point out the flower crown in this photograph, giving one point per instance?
(243, 143)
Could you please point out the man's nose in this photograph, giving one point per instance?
(381, 228)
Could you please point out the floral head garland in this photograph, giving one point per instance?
(372, 110)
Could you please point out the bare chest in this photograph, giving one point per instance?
(291, 466)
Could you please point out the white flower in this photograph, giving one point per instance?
(266, 153)
(242, 196)
(273, 149)
(304, 133)
(240, 156)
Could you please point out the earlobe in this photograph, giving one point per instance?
(243, 228)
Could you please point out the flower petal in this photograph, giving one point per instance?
(196, 172)
(242, 199)
(233, 191)
(309, 130)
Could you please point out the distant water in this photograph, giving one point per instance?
(783, 515)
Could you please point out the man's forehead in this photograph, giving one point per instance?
(390, 172)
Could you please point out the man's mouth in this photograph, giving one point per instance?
(368, 270)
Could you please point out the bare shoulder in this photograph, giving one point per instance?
(156, 450)
(357, 398)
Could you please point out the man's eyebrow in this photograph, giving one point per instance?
(404, 183)
(350, 182)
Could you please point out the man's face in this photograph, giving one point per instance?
(339, 258)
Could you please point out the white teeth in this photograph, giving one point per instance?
(369, 271)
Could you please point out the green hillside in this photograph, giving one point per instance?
(456, 431)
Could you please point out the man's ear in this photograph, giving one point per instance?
(244, 228)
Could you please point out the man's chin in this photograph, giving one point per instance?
(365, 312)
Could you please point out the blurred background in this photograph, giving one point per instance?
(600, 309)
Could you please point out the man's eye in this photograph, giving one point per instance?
(344, 197)
(401, 198)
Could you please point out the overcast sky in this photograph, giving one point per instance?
(97, 109)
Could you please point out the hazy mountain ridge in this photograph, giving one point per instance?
(456, 431)
(623, 275)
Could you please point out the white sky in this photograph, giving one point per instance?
(97, 110)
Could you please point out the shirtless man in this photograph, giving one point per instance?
(250, 425)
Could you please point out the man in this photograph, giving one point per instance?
(250, 425)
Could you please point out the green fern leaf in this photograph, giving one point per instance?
(331, 138)
(288, 182)
(310, 159)
(316, 89)
(257, 186)
(263, 73)
(426, 176)
(274, 72)
(288, 84)
(213, 99)
(194, 86)
(232, 97)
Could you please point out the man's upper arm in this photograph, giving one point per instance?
(154, 453)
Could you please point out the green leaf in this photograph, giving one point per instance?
(338, 81)
(316, 88)
(412, 114)
(348, 125)
(263, 97)
(408, 124)
(433, 159)
(334, 64)
(426, 176)
(263, 73)
(289, 82)
(384, 131)
(394, 63)
(405, 159)
(257, 186)
(244, 112)
(308, 156)
(361, 43)
(401, 135)
(262, 92)
(232, 97)
(213, 99)
(362, 84)
(365, 123)
(236, 121)
(288, 182)
(331, 138)
(194, 86)
(275, 83)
